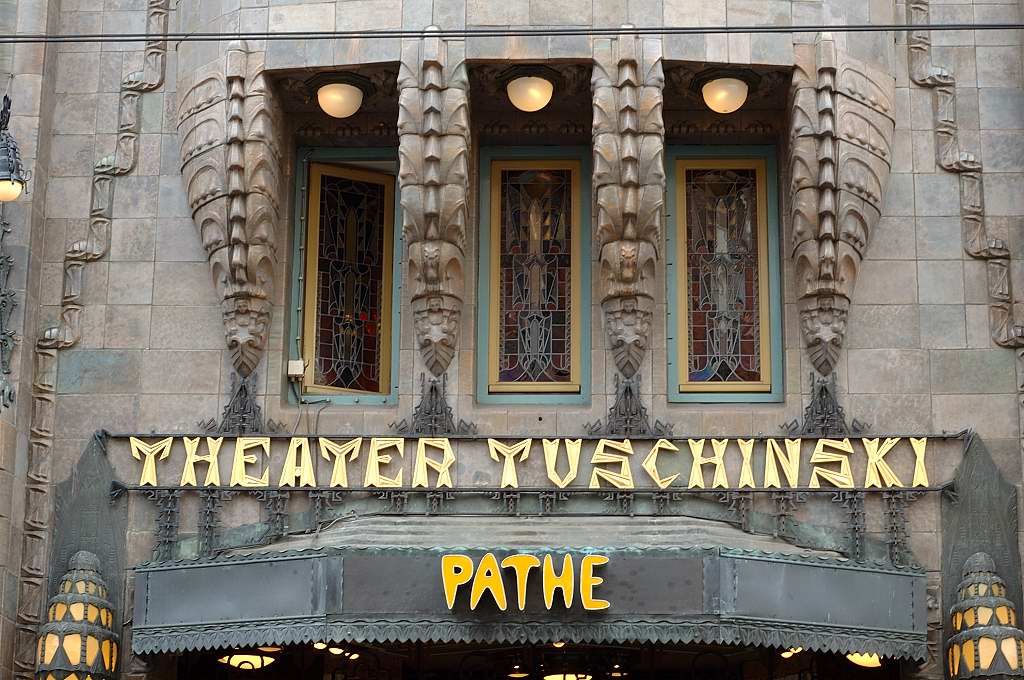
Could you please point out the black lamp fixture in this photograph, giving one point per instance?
(12, 172)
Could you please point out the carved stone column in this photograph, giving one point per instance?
(227, 123)
(629, 182)
(433, 129)
(840, 153)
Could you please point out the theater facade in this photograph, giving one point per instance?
(526, 340)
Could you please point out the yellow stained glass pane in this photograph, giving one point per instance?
(1003, 614)
(958, 619)
(73, 648)
(80, 587)
(969, 655)
(998, 589)
(73, 676)
(92, 613)
(986, 652)
(113, 660)
(77, 610)
(106, 654)
(92, 648)
(61, 611)
(984, 615)
(52, 643)
(969, 619)
(982, 588)
(1009, 648)
(956, 659)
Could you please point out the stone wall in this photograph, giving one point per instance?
(919, 354)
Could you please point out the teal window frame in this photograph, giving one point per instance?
(306, 156)
(768, 154)
(483, 311)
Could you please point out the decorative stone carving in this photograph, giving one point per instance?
(841, 133)
(227, 122)
(629, 182)
(433, 132)
(37, 529)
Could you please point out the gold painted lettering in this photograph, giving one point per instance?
(509, 453)
(442, 467)
(342, 455)
(188, 472)
(552, 581)
(789, 461)
(239, 474)
(572, 453)
(623, 479)
(375, 458)
(488, 580)
(746, 471)
(588, 582)
(650, 464)
(920, 472)
(298, 464)
(720, 480)
(521, 564)
(456, 571)
(149, 454)
(842, 478)
(879, 473)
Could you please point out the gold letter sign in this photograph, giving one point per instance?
(728, 463)
(488, 577)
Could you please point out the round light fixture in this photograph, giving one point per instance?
(339, 100)
(791, 652)
(568, 676)
(10, 190)
(865, 659)
(724, 95)
(558, 645)
(319, 645)
(530, 93)
(247, 661)
(336, 651)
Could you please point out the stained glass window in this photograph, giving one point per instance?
(348, 272)
(535, 287)
(724, 328)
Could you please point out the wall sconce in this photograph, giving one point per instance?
(529, 88)
(724, 90)
(340, 95)
(12, 171)
(78, 639)
(986, 640)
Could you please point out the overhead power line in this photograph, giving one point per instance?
(495, 32)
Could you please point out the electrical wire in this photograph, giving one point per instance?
(494, 32)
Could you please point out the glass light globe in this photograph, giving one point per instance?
(339, 100)
(530, 93)
(865, 659)
(724, 95)
(10, 190)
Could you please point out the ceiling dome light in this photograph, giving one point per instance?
(530, 93)
(791, 652)
(865, 659)
(246, 661)
(568, 676)
(339, 100)
(724, 95)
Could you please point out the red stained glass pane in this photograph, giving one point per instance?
(350, 280)
(535, 275)
(723, 282)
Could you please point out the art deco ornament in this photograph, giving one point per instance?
(78, 640)
(841, 136)
(987, 641)
(12, 171)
